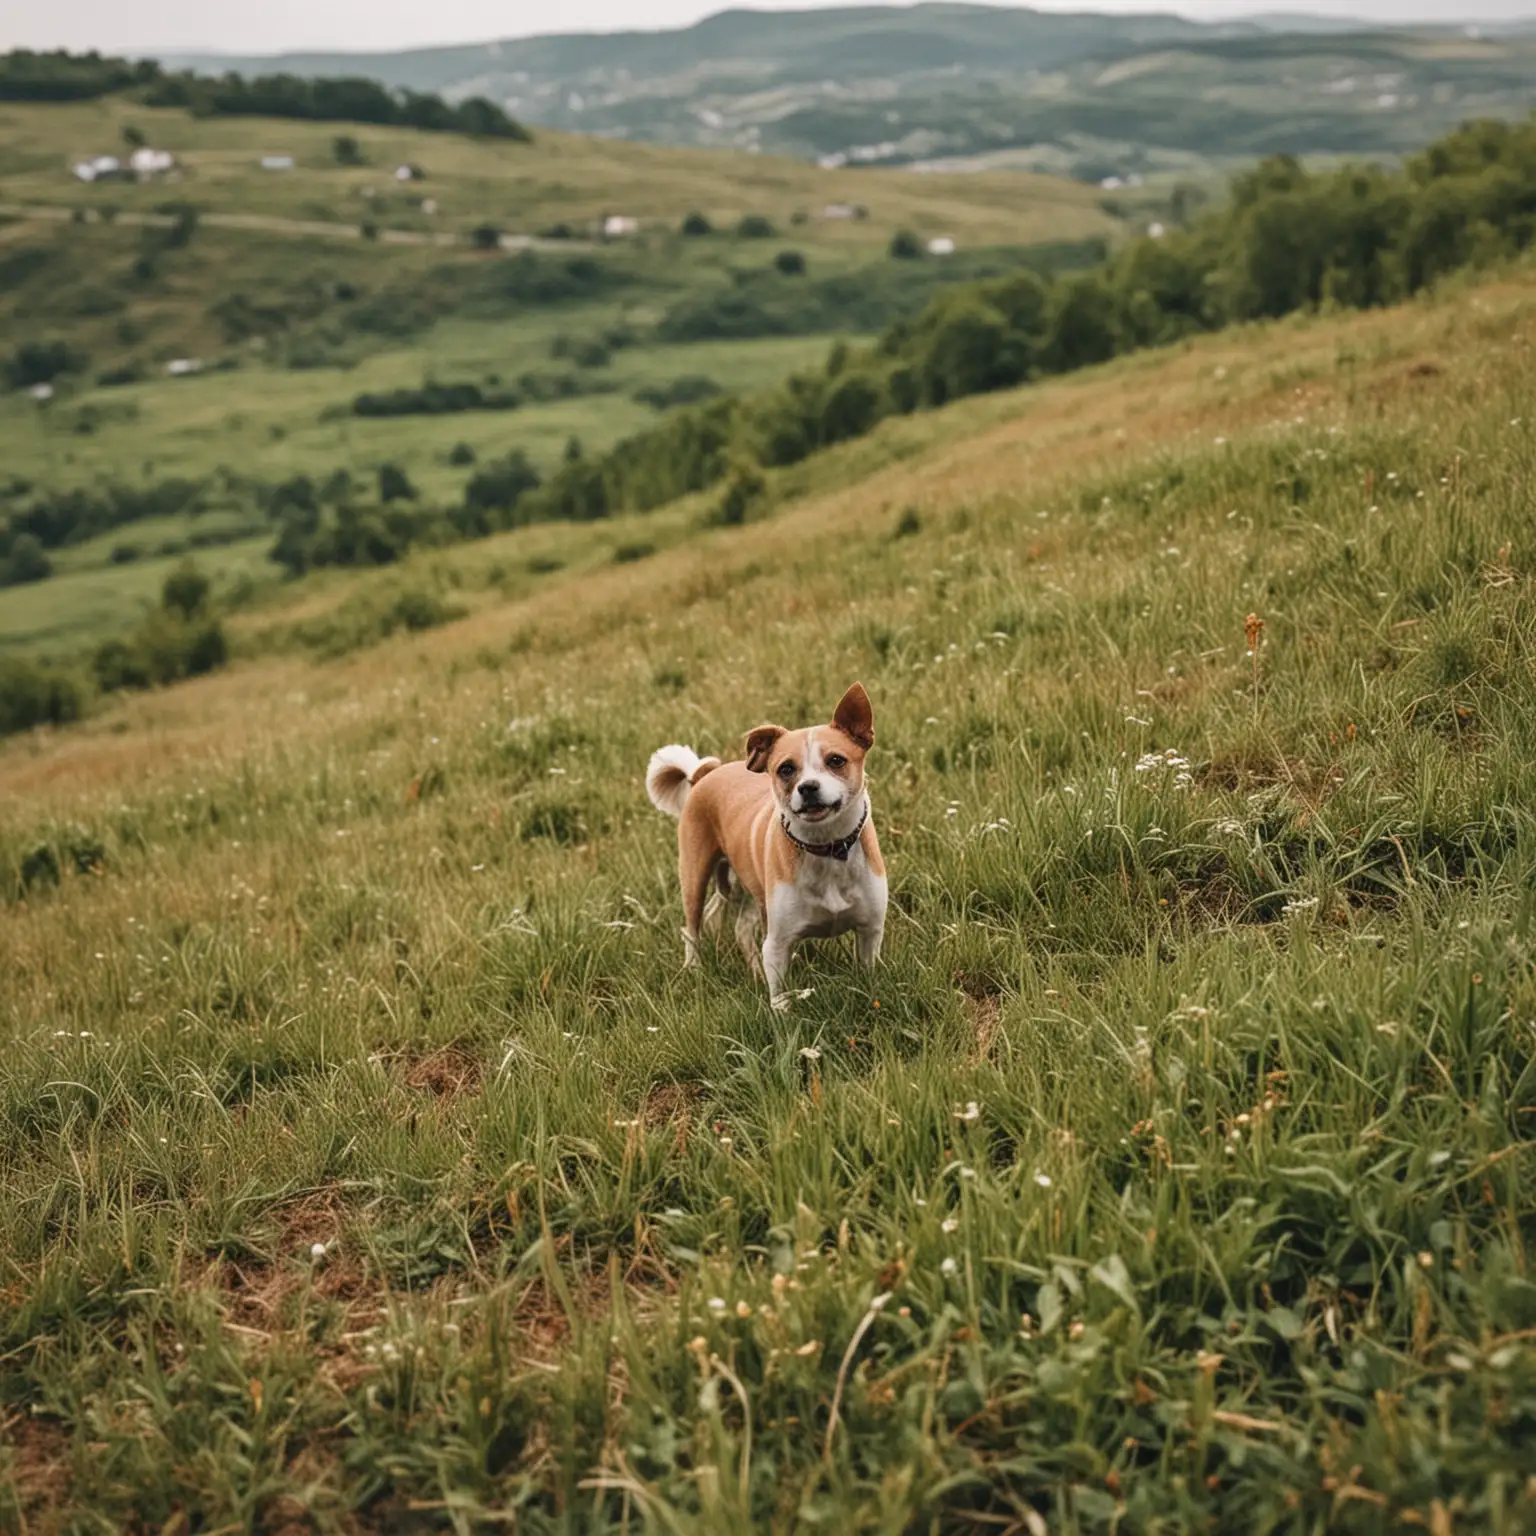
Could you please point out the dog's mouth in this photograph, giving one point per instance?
(815, 813)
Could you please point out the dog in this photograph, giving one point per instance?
(791, 827)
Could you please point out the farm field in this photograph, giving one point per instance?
(370, 1164)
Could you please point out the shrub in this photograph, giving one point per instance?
(32, 695)
(754, 226)
(970, 349)
(696, 226)
(167, 647)
(905, 246)
(395, 484)
(688, 389)
(41, 362)
(743, 490)
(434, 400)
(184, 224)
(185, 591)
(367, 618)
(485, 237)
(789, 264)
(26, 562)
(461, 454)
(495, 490)
(854, 405)
(628, 554)
(345, 150)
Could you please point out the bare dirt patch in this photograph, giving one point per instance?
(447, 1073)
(35, 1459)
(675, 1104)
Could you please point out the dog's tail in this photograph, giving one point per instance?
(672, 773)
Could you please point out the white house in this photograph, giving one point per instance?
(617, 225)
(41, 392)
(941, 245)
(145, 162)
(180, 367)
(98, 167)
(277, 162)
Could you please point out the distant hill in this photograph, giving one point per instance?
(948, 86)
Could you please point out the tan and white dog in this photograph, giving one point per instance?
(790, 828)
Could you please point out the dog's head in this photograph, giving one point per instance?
(817, 774)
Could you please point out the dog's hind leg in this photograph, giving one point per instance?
(695, 867)
(749, 929)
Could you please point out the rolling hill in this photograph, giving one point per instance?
(947, 86)
(292, 294)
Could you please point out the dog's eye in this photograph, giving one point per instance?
(786, 771)
(836, 761)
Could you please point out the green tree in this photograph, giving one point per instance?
(185, 591)
(395, 484)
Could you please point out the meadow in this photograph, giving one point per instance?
(368, 1162)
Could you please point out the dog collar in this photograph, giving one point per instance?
(838, 850)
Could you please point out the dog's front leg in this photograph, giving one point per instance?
(869, 938)
(778, 951)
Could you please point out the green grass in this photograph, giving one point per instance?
(1175, 1170)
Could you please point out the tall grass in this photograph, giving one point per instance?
(369, 1162)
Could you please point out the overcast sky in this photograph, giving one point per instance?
(269, 26)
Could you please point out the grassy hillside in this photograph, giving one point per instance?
(370, 1164)
(965, 86)
(523, 188)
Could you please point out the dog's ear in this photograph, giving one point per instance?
(855, 717)
(760, 745)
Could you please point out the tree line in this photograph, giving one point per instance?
(1286, 240)
(63, 76)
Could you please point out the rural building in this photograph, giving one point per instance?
(277, 162)
(617, 225)
(941, 245)
(145, 162)
(100, 168)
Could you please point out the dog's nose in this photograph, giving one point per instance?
(810, 789)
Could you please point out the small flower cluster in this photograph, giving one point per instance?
(1167, 761)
